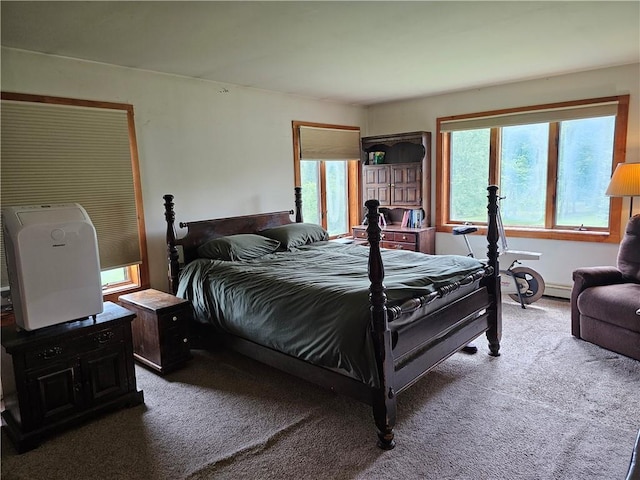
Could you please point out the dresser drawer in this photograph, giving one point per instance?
(399, 246)
(401, 238)
(359, 233)
(404, 237)
(389, 235)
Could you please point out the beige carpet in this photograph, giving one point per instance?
(551, 407)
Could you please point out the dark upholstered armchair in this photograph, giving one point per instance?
(605, 301)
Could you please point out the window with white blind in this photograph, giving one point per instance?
(552, 163)
(57, 150)
(326, 161)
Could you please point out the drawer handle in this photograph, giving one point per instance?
(104, 337)
(382, 236)
(174, 318)
(404, 237)
(50, 353)
(185, 340)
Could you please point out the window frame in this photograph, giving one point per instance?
(611, 234)
(138, 273)
(110, 292)
(353, 174)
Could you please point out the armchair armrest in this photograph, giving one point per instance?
(584, 278)
(594, 276)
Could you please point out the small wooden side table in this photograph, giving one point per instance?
(67, 373)
(160, 329)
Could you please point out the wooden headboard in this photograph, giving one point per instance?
(201, 231)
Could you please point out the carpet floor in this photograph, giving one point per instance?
(550, 407)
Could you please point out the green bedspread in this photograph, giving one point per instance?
(312, 303)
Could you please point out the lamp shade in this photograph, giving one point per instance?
(625, 181)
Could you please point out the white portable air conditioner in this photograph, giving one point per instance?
(52, 262)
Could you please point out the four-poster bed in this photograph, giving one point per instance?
(399, 327)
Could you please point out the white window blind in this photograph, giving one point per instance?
(318, 143)
(542, 115)
(73, 154)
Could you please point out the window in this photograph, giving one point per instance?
(330, 210)
(326, 159)
(59, 150)
(552, 164)
(582, 143)
(115, 277)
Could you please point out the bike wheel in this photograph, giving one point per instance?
(530, 283)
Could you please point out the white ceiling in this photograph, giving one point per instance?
(355, 52)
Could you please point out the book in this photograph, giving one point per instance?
(412, 218)
(405, 219)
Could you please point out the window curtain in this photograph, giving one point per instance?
(318, 143)
(54, 153)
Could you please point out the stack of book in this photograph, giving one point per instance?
(413, 218)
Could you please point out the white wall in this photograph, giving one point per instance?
(559, 258)
(220, 153)
(230, 153)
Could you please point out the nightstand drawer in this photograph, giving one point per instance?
(56, 351)
(176, 318)
(104, 338)
(175, 343)
(49, 354)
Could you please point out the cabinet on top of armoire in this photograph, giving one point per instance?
(396, 170)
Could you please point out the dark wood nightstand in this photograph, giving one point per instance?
(160, 329)
(67, 373)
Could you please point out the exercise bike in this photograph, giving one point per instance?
(522, 284)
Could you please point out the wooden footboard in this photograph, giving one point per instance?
(480, 313)
(433, 337)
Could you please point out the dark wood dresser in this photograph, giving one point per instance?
(67, 373)
(403, 238)
(160, 330)
(404, 179)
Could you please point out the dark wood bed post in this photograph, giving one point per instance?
(494, 334)
(384, 397)
(172, 251)
(298, 195)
